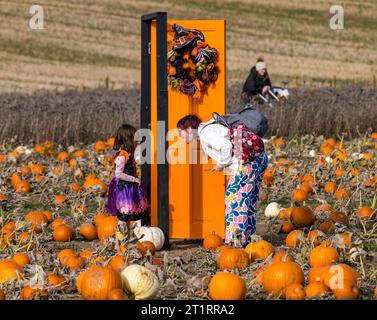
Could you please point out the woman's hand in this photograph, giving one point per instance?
(137, 180)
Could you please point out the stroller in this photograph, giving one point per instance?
(276, 93)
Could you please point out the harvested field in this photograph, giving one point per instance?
(349, 111)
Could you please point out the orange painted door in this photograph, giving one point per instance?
(196, 196)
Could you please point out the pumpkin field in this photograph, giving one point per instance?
(316, 234)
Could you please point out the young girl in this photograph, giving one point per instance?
(126, 198)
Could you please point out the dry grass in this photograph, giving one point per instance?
(84, 116)
(83, 41)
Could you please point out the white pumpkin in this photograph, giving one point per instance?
(272, 210)
(152, 234)
(139, 282)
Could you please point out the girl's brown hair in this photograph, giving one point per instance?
(190, 120)
(124, 138)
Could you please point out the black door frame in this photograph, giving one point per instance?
(162, 113)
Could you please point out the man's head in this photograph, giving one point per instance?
(261, 67)
(188, 126)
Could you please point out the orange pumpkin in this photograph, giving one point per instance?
(117, 294)
(57, 281)
(212, 241)
(260, 250)
(29, 293)
(2, 295)
(37, 220)
(294, 238)
(107, 228)
(233, 259)
(63, 233)
(278, 276)
(299, 195)
(23, 187)
(9, 270)
(342, 193)
(282, 256)
(64, 254)
(227, 286)
(88, 231)
(60, 199)
(316, 289)
(21, 258)
(315, 237)
(286, 227)
(145, 246)
(322, 256)
(97, 282)
(365, 213)
(339, 217)
(331, 187)
(295, 291)
(118, 263)
(347, 291)
(302, 216)
(75, 263)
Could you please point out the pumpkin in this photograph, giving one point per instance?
(88, 231)
(117, 294)
(316, 289)
(212, 241)
(322, 256)
(272, 210)
(343, 240)
(36, 168)
(107, 228)
(260, 250)
(21, 258)
(139, 282)
(315, 237)
(153, 234)
(326, 227)
(100, 146)
(99, 218)
(339, 217)
(306, 187)
(365, 213)
(331, 187)
(2, 295)
(302, 216)
(3, 197)
(299, 195)
(295, 291)
(118, 263)
(48, 215)
(348, 290)
(9, 270)
(29, 293)
(324, 207)
(282, 256)
(80, 153)
(63, 233)
(64, 254)
(75, 187)
(145, 246)
(37, 220)
(336, 274)
(286, 227)
(97, 282)
(223, 247)
(285, 213)
(279, 142)
(23, 187)
(233, 259)
(57, 222)
(111, 141)
(278, 276)
(342, 193)
(57, 281)
(227, 286)
(75, 263)
(59, 199)
(86, 254)
(294, 238)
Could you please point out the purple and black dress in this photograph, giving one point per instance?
(126, 199)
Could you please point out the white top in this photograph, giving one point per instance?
(215, 143)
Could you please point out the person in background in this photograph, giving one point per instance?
(259, 83)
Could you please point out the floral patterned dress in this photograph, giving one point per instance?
(242, 192)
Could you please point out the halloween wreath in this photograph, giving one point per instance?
(191, 62)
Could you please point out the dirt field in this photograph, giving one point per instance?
(86, 41)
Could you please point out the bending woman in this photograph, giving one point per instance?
(242, 152)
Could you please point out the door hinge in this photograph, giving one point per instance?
(149, 48)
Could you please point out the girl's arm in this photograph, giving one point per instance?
(120, 162)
